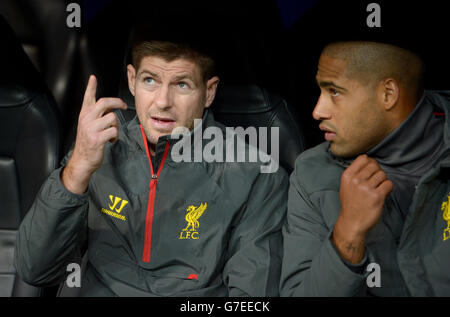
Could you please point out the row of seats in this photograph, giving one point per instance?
(31, 135)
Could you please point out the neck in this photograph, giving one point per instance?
(152, 148)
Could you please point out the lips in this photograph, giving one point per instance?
(162, 123)
(329, 134)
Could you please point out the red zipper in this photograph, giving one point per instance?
(151, 198)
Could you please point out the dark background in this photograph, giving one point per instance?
(274, 44)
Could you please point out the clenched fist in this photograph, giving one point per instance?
(363, 191)
(97, 124)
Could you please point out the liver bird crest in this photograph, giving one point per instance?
(193, 213)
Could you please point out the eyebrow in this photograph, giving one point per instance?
(183, 76)
(326, 84)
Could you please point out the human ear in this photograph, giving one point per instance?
(389, 93)
(131, 74)
(211, 88)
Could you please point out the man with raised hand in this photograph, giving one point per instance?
(154, 226)
(367, 209)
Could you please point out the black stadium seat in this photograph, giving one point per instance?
(250, 105)
(29, 149)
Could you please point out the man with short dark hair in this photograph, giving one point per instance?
(154, 226)
(368, 208)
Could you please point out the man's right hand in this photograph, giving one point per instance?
(97, 124)
(364, 188)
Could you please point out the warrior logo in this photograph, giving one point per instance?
(115, 209)
(192, 215)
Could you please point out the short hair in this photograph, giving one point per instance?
(371, 62)
(170, 51)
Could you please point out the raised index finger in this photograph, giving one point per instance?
(90, 93)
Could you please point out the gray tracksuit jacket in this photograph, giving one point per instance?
(173, 229)
(411, 241)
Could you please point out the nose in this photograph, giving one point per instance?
(162, 97)
(321, 110)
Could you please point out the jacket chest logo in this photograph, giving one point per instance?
(115, 207)
(445, 207)
(192, 215)
(115, 203)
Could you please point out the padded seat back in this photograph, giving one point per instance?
(29, 149)
(252, 106)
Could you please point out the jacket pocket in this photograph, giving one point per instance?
(172, 283)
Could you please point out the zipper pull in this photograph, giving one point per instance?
(153, 181)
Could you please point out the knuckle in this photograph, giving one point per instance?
(101, 102)
(345, 177)
(377, 194)
(107, 117)
(356, 181)
(97, 141)
(390, 185)
(363, 158)
(111, 120)
(380, 177)
(112, 117)
(373, 195)
(364, 187)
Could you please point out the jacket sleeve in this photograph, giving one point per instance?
(311, 264)
(255, 245)
(52, 233)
